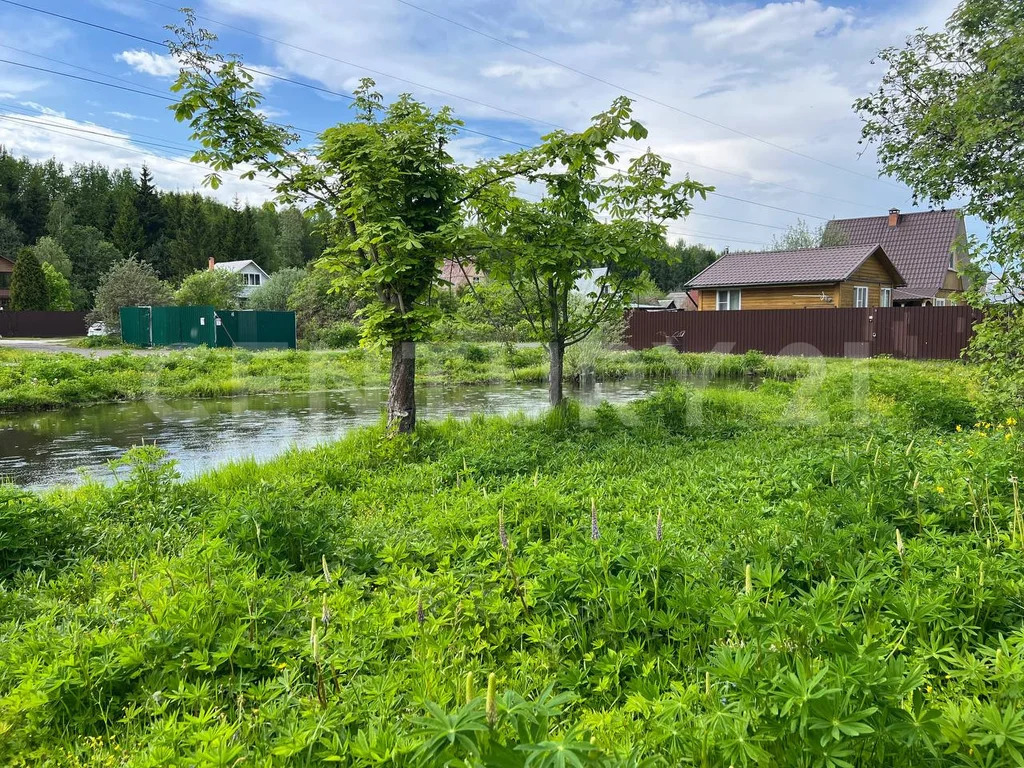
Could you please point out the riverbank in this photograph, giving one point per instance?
(32, 380)
(775, 575)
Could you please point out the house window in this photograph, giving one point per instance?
(952, 260)
(860, 296)
(886, 297)
(940, 302)
(250, 279)
(728, 300)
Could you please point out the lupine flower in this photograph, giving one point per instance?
(595, 534)
(314, 640)
(327, 571)
(492, 701)
(469, 687)
(658, 527)
(748, 579)
(899, 543)
(502, 534)
(420, 615)
(325, 614)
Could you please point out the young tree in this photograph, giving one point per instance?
(48, 251)
(275, 293)
(58, 289)
(801, 235)
(388, 193)
(28, 283)
(128, 283)
(947, 121)
(215, 287)
(585, 221)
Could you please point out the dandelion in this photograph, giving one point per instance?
(939, 489)
(595, 534)
(502, 533)
(1011, 422)
(899, 543)
(492, 701)
(420, 615)
(658, 527)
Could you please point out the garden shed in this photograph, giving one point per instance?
(204, 325)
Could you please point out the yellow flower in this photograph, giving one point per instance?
(940, 489)
(959, 428)
(1010, 421)
(1008, 436)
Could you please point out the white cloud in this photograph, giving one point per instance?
(541, 76)
(64, 139)
(149, 63)
(773, 25)
(130, 116)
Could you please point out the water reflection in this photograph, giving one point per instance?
(40, 450)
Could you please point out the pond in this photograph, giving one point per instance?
(44, 449)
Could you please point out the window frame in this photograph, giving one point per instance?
(939, 301)
(728, 299)
(857, 292)
(885, 297)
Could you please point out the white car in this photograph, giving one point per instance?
(97, 329)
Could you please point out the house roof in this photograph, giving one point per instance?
(238, 266)
(6, 265)
(804, 266)
(919, 245)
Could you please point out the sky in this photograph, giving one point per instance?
(754, 98)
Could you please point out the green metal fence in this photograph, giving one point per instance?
(190, 326)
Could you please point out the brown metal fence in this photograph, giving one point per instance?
(48, 325)
(938, 333)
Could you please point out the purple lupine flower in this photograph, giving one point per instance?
(420, 615)
(658, 527)
(595, 534)
(502, 533)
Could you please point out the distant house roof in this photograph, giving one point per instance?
(807, 265)
(685, 300)
(6, 265)
(460, 272)
(238, 266)
(919, 245)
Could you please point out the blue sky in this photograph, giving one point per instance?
(726, 88)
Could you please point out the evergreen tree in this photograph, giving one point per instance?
(190, 248)
(10, 238)
(33, 207)
(127, 235)
(149, 207)
(288, 249)
(28, 283)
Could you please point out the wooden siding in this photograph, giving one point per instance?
(775, 297)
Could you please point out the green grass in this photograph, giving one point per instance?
(837, 583)
(30, 380)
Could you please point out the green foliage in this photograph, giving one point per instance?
(674, 268)
(276, 293)
(215, 287)
(127, 235)
(688, 581)
(58, 289)
(544, 249)
(28, 283)
(48, 251)
(128, 283)
(11, 239)
(801, 235)
(339, 335)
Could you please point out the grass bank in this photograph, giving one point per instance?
(804, 574)
(31, 380)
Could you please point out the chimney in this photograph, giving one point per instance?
(894, 217)
(213, 263)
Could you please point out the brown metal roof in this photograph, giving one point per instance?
(807, 265)
(919, 245)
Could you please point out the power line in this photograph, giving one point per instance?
(639, 95)
(83, 79)
(32, 120)
(470, 100)
(332, 92)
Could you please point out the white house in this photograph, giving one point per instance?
(252, 274)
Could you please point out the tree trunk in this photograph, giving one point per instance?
(402, 392)
(556, 349)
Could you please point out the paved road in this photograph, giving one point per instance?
(62, 345)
